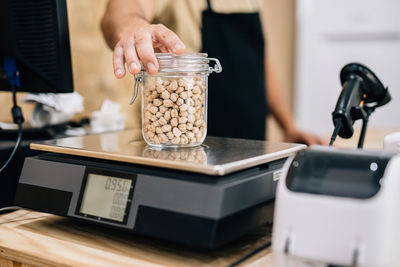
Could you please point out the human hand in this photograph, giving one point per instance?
(297, 136)
(139, 45)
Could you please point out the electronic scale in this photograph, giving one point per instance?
(203, 197)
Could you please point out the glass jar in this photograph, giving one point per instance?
(174, 100)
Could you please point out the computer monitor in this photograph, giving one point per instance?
(34, 57)
(35, 34)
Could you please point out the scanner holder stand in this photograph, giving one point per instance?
(363, 113)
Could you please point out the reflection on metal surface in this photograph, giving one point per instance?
(222, 155)
(109, 143)
(188, 154)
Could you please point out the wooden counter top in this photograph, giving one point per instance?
(30, 238)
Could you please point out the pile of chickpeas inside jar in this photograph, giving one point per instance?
(174, 111)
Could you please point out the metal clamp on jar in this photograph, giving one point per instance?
(174, 100)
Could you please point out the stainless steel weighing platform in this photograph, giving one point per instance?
(204, 196)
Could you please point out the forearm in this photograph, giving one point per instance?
(276, 102)
(124, 16)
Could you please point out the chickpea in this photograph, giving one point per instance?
(174, 113)
(150, 134)
(199, 83)
(146, 123)
(191, 118)
(156, 140)
(153, 95)
(189, 102)
(156, 123)
(176, 140)
(196, 89)
(174, 122)
(163, 138)
(148, 106)
(190, 135)
(167, 103)
(174, 97)
(199, 122)
(158, 130)
(182, 120)
(180, 101)
(181, 82)
(173, 85)
(182, 128)
(183, 107)
(165, 95)
(183, 95)
(159, 81)
(157, 102)
(160, 89)
(162, 121)
(184, 139)
(153, 109)
(151, 128)
(176, 132)
(195, 96)
(163, 109)
(167, 115)
(184, 114)
(166, 128)
(170, 135)
(147, 115)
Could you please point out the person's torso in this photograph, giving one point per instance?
(184, 17)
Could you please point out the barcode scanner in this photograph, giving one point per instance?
(362, 92)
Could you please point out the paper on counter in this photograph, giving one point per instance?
(108, 118)
(54, 108)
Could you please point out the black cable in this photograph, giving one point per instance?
(338, 125)
(18, 118)
(251, 254)
(368, 111)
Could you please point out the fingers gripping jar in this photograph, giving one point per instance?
(174, 100)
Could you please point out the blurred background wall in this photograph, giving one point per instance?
(331, 34)
(92, 68)
(279, 17)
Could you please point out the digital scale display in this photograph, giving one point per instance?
(106, 196)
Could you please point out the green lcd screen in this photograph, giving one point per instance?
(106, 197)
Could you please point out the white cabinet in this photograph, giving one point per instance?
(332, 33)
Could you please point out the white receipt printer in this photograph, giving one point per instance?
(338, 207)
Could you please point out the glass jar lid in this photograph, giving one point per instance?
(187, 62)
(172, 63)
